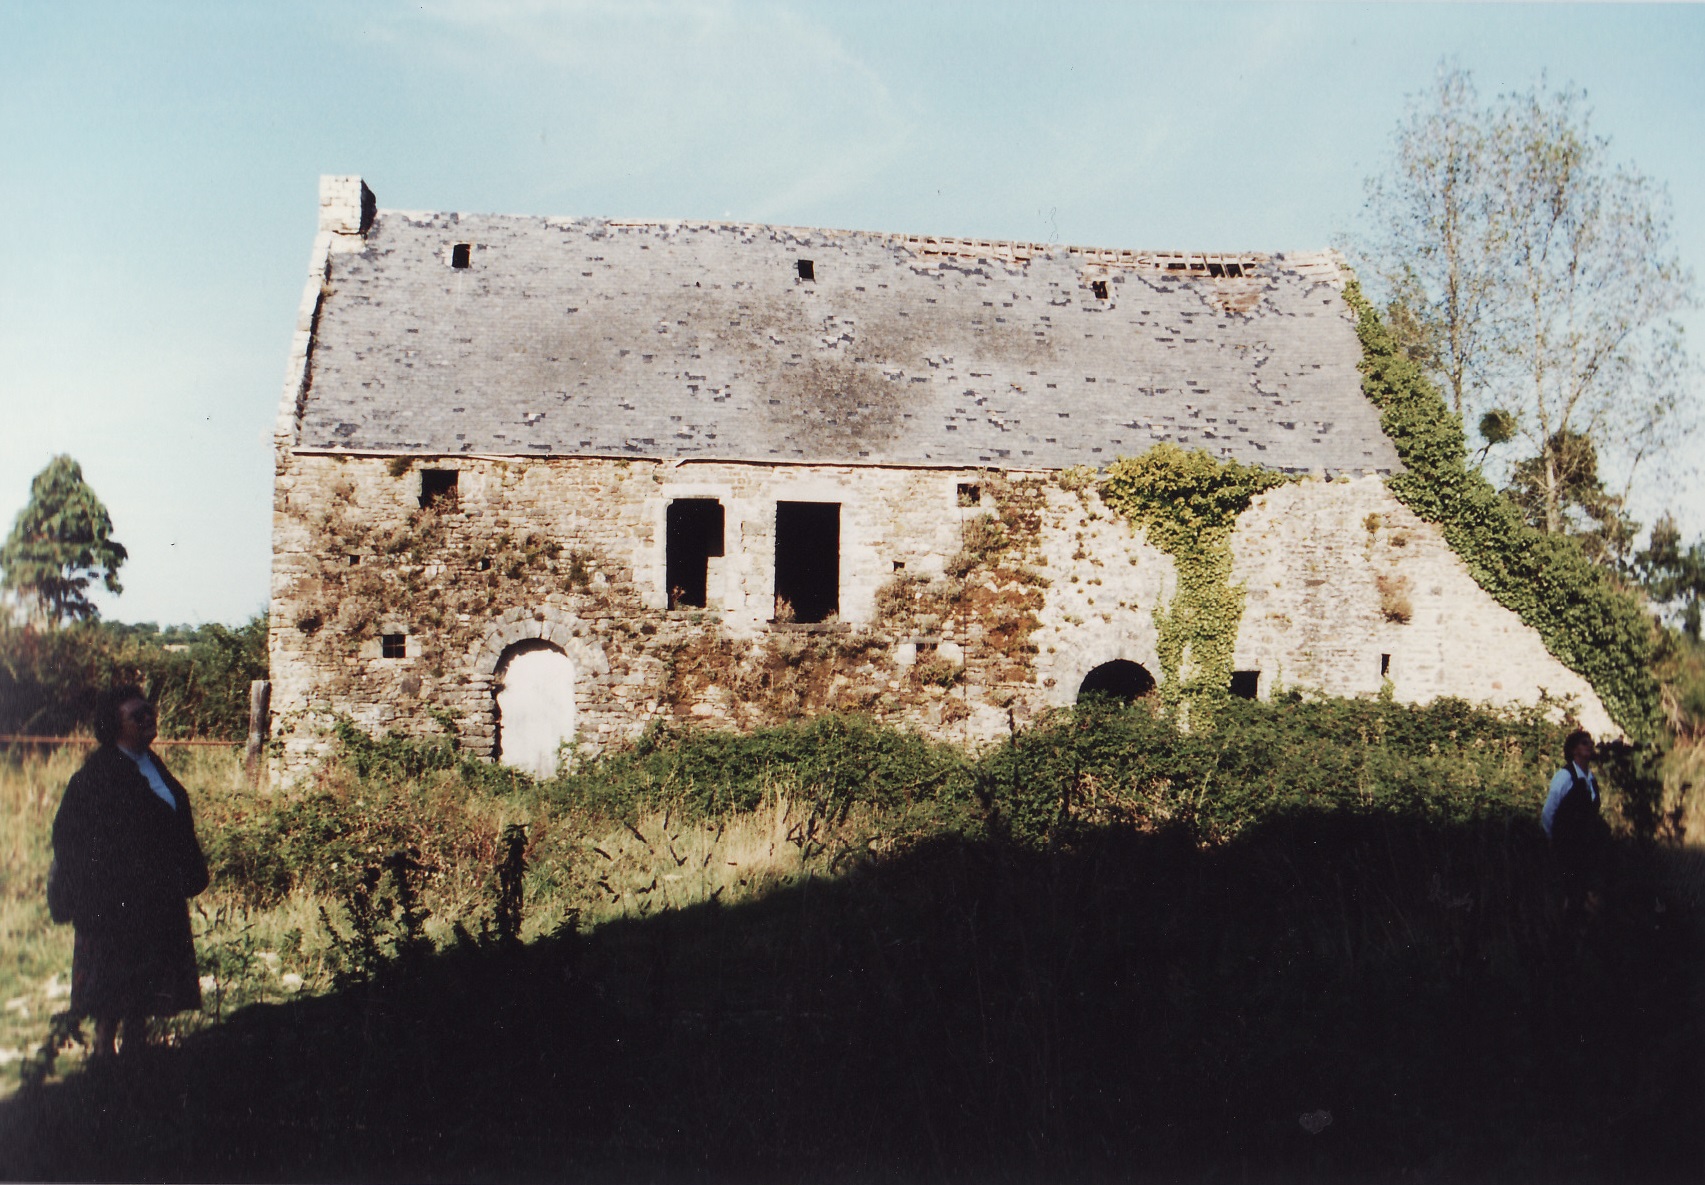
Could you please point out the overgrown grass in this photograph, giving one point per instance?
(832, 950)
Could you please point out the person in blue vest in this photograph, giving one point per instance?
(126, 861)
(1576, 828)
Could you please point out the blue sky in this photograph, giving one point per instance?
(161, 162)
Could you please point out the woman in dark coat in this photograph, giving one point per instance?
(127, 861)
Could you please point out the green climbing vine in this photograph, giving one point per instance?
(1595, 628)
(1188, 503)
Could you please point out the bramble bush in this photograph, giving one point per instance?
(1100, 762)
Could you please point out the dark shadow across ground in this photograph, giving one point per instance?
(1123, 1007)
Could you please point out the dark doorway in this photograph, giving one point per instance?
(1117, 680)
(692, 534)
(808, 561)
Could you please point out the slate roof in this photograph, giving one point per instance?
(585, 337)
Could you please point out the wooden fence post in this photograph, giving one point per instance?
(260, 703)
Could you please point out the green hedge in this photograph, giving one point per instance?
(1593, 626)
(49, 678)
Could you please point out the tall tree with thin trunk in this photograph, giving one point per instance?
(1535, 278)
(1591, 281)
(60, 544)
(1435, 236)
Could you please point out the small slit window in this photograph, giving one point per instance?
(807, 270)
(1099, 287)
(394, 645)
(438, 488)
(461, 255)
(1384, 665)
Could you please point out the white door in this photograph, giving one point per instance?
(535, 709)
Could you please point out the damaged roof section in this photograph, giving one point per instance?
(526, 336)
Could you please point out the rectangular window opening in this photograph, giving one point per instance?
(1099, 287)
(807, 270)
(438, 488)
(394, 646)
(808, 561)
(970, 494)
(1245, 684)
(692, 535)
(461, 255)
(354, 559)
(1384, 665)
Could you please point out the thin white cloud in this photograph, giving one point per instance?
(765, 104)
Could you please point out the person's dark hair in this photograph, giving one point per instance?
(107, 704)
(1580, 734)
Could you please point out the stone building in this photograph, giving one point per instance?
(544, 481)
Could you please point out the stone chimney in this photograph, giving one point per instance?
(346, 205)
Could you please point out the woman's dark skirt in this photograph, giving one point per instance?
(136, 971)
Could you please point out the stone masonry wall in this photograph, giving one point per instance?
(572, 552)
(969, 600)
(1339, 574)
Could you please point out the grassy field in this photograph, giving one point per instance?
(831, 952)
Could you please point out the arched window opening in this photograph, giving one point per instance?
(534, 707)
(1118, 679)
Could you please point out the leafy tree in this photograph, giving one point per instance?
(1527, 272)
(1673, 576)
(1593, 514)
(1433, 233)
(61, 543)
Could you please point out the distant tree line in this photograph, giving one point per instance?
(197, 676)
(56, 654)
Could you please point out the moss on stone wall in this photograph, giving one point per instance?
(1187, 503)
(989, 592)
(1593, 626)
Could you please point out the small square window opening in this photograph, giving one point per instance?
(461, 255)
(1099, 287)
(970, 494)
(394, 646)
(807, 270)
(1245, 684)
(438, 488)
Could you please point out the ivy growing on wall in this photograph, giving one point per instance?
(1188, 503)
(1592, 626)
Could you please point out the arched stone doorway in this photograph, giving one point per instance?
(1118, 679)
(534, 696)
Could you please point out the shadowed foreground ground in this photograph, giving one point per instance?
(1128, 1007)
